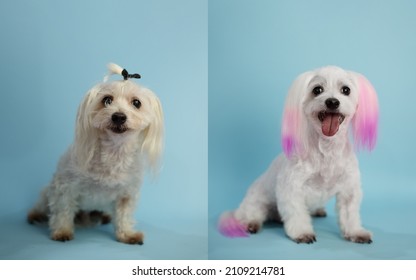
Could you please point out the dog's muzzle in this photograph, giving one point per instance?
(118, 121)
(331, 118)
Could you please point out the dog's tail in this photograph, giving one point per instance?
(229, 226)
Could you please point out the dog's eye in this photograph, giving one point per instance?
(136, 103)
(345, 90)
(317, 90)
(107, 100)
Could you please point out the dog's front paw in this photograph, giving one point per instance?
(308, 238)
(362, 236)
(62, 235)
(300, 230)
(131, 238)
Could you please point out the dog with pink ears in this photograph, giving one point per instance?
(319, 160)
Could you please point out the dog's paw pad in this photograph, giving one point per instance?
(133, 238)
(62, 236)
(306, 238)
(36, 217)
(253, 228)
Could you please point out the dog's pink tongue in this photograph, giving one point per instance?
(330, 125)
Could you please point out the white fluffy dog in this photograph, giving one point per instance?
(319, 161)
(119, 132)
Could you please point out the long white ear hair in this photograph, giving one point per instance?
(365, 121)
(294, 128)
(152, 144)
(85, 138)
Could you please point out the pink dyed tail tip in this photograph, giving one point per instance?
(231, 227)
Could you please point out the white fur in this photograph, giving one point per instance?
(103, 170)
(113, 69)
(297, 186)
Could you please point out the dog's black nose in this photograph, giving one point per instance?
(332, 103)
(118, 118)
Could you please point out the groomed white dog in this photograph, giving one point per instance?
(119, 133)
(319, 161)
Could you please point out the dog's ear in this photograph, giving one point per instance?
(85, 140)
(294, 127)
(365, 121)
(152, 144)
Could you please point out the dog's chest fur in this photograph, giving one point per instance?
(328, 170)
(115, 171)
(115, 162)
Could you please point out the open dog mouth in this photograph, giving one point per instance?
(330, 122)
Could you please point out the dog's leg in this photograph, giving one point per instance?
(348, 205)
(63, 208)
(124, 221)
(61, 224)
(298, 226)
(297, 221)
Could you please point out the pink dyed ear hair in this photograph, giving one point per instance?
(290, 128)
(293, 135)
(365, 122)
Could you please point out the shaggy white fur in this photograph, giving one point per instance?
(119, 132)
(319, 160)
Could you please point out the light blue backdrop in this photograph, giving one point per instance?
(51, 53)
(256, 49)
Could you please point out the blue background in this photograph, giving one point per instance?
(256, 49)
(51, 53)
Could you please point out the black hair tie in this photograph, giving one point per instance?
(126, 75)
